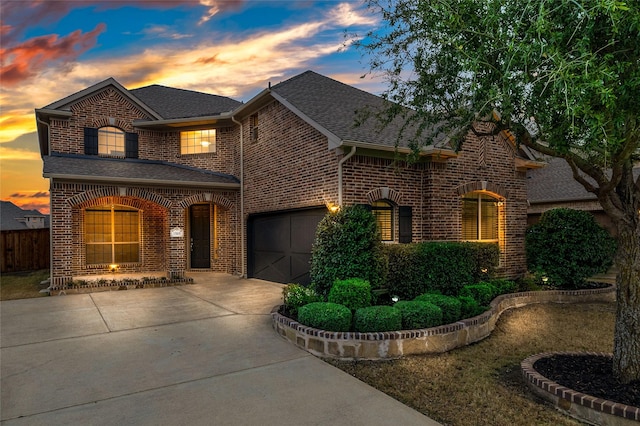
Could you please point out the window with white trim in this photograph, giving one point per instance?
(112, 235)
(383, 211)
(479, 217)
(111, 142)
(198, 141)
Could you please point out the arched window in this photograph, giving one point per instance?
(111, 141)
(479, 217)
(112, 235)
(383, 211)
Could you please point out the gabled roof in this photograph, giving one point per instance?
(173, 103)
(14, 218)
(335, 107)
(91, 168)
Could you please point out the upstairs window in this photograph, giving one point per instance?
(111, 142)
(198, 141)
(479, 218)
(112, 235)
(383, 211)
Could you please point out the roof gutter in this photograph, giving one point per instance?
(427, 151)
(242, 227)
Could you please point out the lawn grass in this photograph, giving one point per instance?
(481, 384)
(22, 285)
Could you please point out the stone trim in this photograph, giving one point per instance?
(207, 198)
(395, 344)
(384, 193)
(483, 185)
(584, 407)
(85, 198)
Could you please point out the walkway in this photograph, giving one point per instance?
(201, 354)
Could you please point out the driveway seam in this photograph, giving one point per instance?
(100, 312)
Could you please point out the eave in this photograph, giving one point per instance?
(523, 164)
(430, 152)
(220, 120)
(139, 181)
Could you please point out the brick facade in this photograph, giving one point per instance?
(289, 165)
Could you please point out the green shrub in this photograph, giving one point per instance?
(377, 318)
(483, 293)
(405, 274)
(347, 245)
(504, 286)
(451, 306)
(295, 296)
(353, 293)
(419, 314)
(445, 267)
(325, 316)
(568, 246)
(470, 307)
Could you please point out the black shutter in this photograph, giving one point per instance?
(405, 224)
(90, 141)
(131, 145)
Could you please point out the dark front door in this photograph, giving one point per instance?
(200, 225)
(280, 245)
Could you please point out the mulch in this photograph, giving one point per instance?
(589, 374)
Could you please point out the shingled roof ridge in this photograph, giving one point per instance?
(182, 90)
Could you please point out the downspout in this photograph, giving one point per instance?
(340, 163)
(242, 228)
(50, 200)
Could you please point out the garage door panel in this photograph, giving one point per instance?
(280, 245)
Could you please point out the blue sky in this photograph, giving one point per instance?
(53, 48)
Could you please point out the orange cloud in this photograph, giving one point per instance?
(27, 59)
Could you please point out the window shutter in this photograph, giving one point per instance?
(90, 141)
(131, 145)
(404, 215)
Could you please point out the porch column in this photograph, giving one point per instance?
(177, 243)
(62, 244)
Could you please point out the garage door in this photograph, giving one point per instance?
(279, 245)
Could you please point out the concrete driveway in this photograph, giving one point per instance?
(202, 354)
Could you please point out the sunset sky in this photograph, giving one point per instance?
(51, 49)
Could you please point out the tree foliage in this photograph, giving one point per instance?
(563, 76)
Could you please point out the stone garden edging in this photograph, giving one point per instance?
(584, 407)
(395, 344)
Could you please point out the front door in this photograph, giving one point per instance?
(200, 225)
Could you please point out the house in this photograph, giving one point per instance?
(15, 218)
(164, 179)
(554, 187)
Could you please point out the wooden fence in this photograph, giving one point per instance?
(24, 250)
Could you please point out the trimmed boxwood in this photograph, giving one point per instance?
(419, 314)
(504, 286)
(353, 293)
(470, 307)
(325, 316)
(377, 318)
(483, 293)
(451, 307)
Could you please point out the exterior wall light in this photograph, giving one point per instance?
(113, 267)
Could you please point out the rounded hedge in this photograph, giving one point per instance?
(325, 316)
(483, 293)
(377, 318)
(353, 293)
(419, 314)
(568, 246)
(470, 307)
(451, 306)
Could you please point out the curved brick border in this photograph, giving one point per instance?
(388, 345)
(584, 407)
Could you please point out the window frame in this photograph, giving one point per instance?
(387, 232)
(481, 219)
(114, 237)
(192, 141)
(111, 142)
